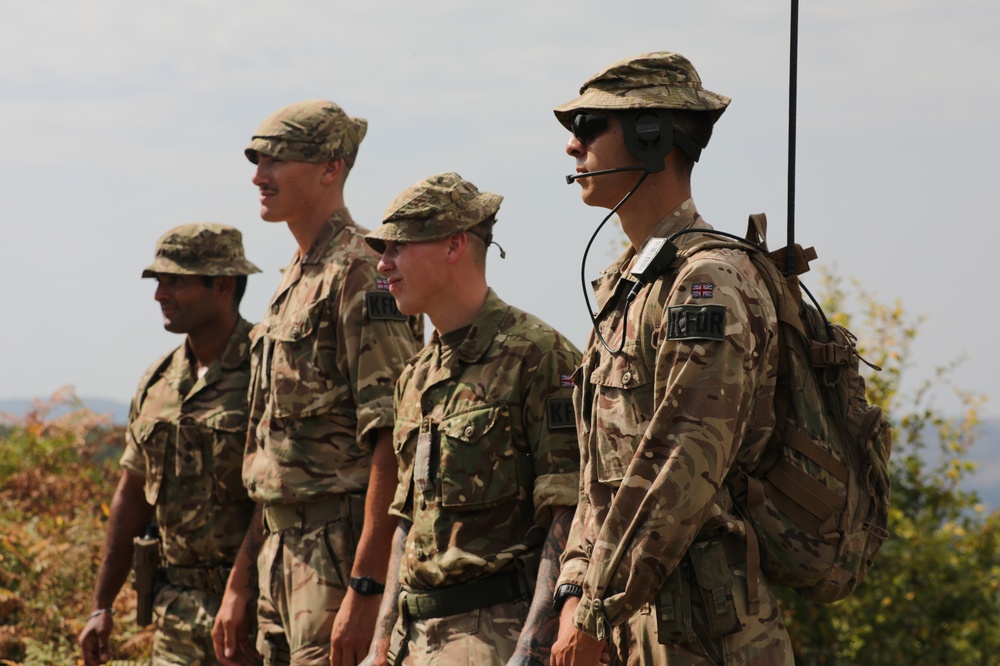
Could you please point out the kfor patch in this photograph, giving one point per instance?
(560, 413)
(381, 305)
(696, 322)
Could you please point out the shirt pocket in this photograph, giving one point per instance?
(228, 432)
(150, 436)
(302, 381)
(478, 461)
(622, 386)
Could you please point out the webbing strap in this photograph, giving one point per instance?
(818, 454)
(753, 569)
(803, 489)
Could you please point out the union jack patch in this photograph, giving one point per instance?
(565, 381)
(702, 290)
(382, 284)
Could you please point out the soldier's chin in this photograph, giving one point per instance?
(172, 327)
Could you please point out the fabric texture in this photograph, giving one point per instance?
(688, 401)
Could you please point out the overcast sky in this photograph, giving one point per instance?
(124, 119)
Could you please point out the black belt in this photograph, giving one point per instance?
(464, 597)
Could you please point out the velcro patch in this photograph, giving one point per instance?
(561, 413)
(696, 322)
(381, 305)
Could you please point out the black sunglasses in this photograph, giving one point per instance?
(588, 125)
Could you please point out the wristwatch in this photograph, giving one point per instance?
(366, 586)
(564, 592)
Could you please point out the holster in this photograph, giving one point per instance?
(146, 565)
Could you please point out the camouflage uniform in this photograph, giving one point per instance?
(324, 362)
(656, 543)
(486, 443)
(185, 438)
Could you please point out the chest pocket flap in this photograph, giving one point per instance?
(478, 461)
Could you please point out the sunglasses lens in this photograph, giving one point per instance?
(588, 125)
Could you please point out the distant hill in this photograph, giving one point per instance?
(985, 452)
(118, 411)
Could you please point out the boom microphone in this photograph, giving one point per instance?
(573, 177)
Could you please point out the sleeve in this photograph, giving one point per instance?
(550, 428)
(575, 559)
(374, 343)
(715, 333)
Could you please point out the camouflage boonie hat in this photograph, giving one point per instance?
(315, 130)
(202, 248)
(660, 80)
(434, 208)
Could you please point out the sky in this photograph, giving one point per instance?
(125, 119)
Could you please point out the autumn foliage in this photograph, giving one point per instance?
(58, 470)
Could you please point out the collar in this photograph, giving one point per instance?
(685, 216)
(333, 226)
(483, 330)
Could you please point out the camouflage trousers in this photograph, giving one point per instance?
(303, 574)
(482, 637)
(761, 641)
(184, 620)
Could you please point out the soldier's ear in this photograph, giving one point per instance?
(456, 245)
(224, 285)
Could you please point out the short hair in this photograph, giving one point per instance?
(484, 231)
(238, 290)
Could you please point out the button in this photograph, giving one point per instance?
(597, 604)
(469, 431)
(627, 377)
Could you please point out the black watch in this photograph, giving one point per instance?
(564, 592)
(366, 586)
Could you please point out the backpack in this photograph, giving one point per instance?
(817, 503)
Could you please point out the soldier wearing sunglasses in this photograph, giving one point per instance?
(675, 392)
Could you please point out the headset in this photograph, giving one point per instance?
(650, 134)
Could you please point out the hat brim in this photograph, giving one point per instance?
(659, 97)
(483, 206)
(171, 267)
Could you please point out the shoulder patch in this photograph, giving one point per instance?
(381, 305)
(696, 322)
(560, 412)
(382, 284)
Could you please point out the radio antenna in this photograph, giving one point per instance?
(793, 75)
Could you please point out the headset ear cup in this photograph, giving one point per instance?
(649, 136)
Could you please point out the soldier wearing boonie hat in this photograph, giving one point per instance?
(488, 458)
(327, 355)
(432, 209)
(201, 248)
(653, 571)
(183, 457)
(309, 131)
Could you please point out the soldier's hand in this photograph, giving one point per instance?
(572, 646)
(94, 639)
(231, 633)
(353, 628)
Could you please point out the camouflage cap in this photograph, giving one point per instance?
(434, 208)
(314, 130)
(660, 80)
(201, 248)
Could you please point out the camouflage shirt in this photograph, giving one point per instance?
(185, 437)
(324, 362)
(661, 424)
(486, 443)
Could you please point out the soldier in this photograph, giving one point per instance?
(319, 458)
(675, 393)
(184, 449)
(485, 437)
